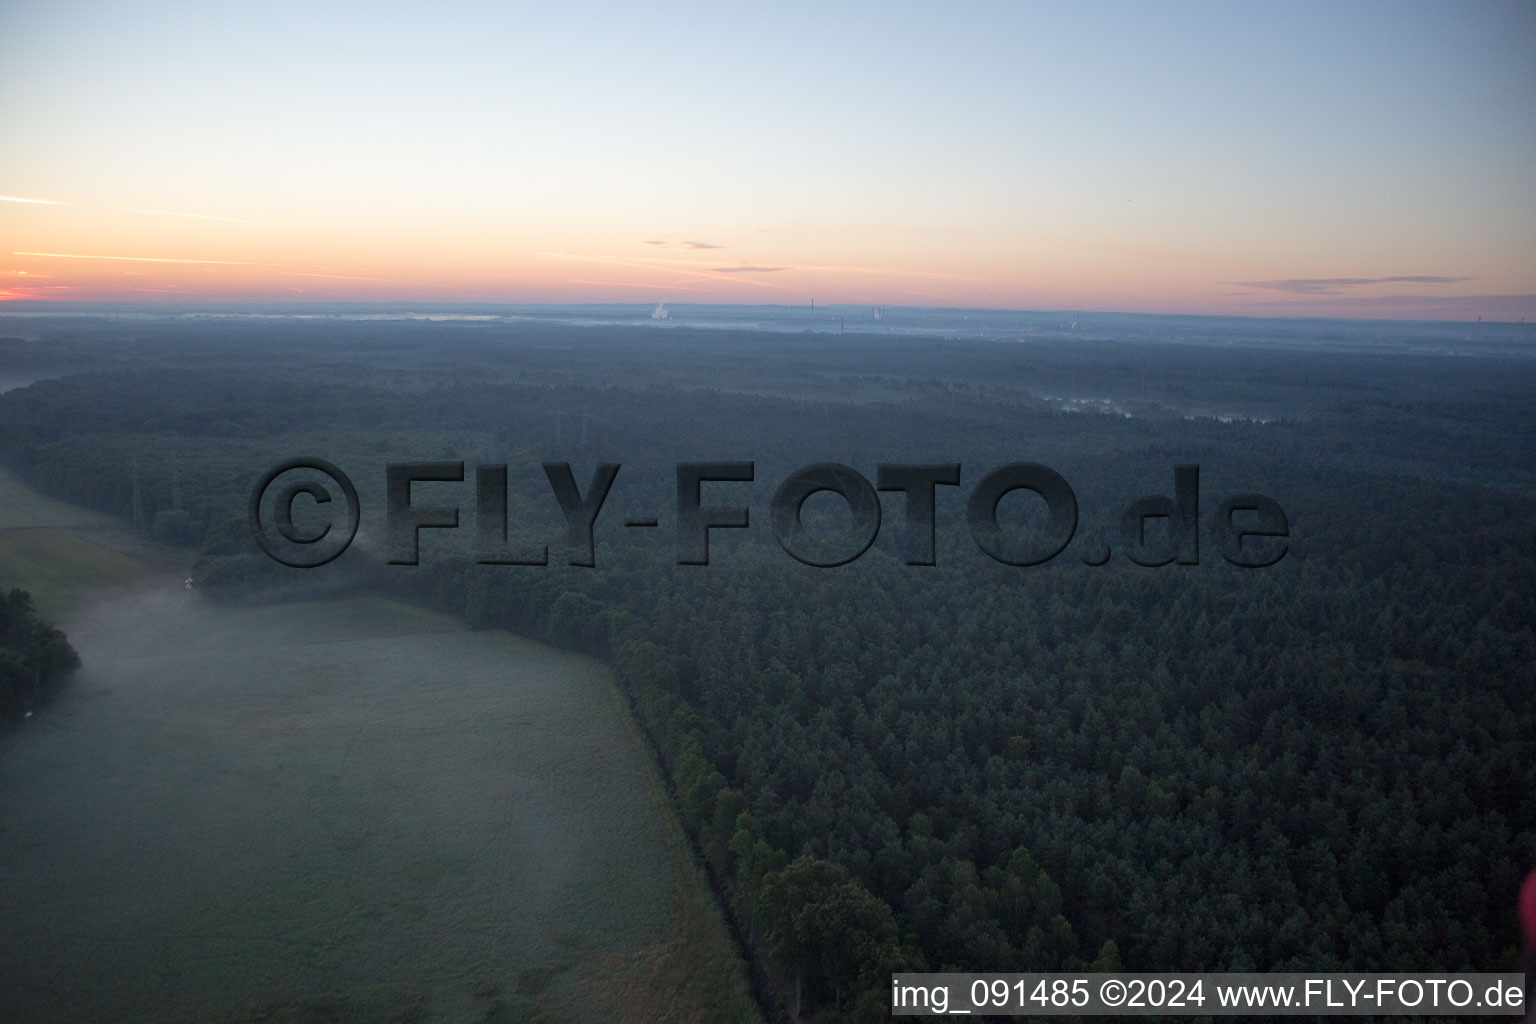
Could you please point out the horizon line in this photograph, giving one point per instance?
(34, 305)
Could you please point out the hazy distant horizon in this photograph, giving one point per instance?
(803, 310)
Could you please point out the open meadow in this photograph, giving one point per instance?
(351, 810)
(60, 553)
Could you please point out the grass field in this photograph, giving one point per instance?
(344, 811)
(21, 506)
(61, 553)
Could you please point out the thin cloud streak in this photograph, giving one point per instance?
(1435, 300)
(349, 277)
(209, 216)
(649, 286)
(1332, 285)
(697, 273)
(635, 264)
(935, 274)
(23, 199)
(134, 259)
(662, 263)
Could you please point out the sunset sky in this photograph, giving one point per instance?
(1339, 159)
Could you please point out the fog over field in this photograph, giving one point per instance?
(354, 810)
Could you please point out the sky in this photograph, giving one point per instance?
(1336, 159)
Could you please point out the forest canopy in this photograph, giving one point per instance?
(1326, 764)
(35, 657)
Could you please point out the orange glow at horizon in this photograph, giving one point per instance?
(430, 251)
(214, 258)
(1250, 164)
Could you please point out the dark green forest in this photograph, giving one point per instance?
(1327, 764)
(35, 657)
